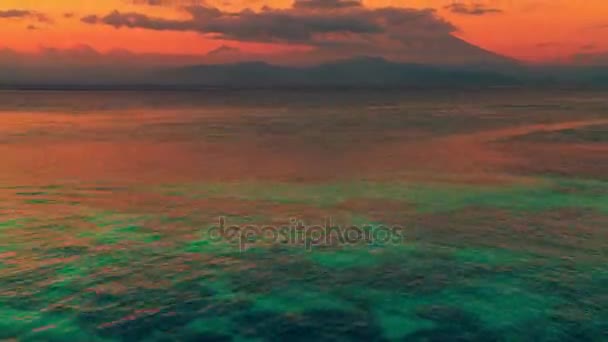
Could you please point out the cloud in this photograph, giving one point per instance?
(150, 2)
(24, 14)
(167, 3)
(330, 28)
(15, 14)
(137, 20)
(326, 4)
(90, 19)
(294, 25)
(471, 9)
(547, 45)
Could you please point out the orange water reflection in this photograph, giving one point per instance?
(393, 139)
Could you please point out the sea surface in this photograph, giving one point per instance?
(330, 215)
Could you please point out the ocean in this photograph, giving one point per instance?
(316, 214)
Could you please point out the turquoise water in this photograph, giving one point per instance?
(110, 202)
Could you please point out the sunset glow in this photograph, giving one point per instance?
(528, 30)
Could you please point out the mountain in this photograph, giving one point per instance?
(568, 75)
(363, 71)
(354, 72)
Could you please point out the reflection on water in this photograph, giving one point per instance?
(106, 199)
(50, 135)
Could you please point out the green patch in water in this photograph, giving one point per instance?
(151, 238)
(427, 197)
(299, 300)
(57, 328)
(398, 322)
(221, 287)
(209, 326)
(205, 245)
(501, 302)
(15, 323)
(128, 233)
(11, 224)
(116, 228)
(66, 251)
(493, 257)
(348, 257)
(73, 271)
(40, 201)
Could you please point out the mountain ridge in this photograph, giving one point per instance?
(363, 71)
(356, 72)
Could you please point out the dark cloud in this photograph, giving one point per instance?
(170, 3)
(90, 19)
(150, 2)
(547, 45)
(24, 14)
(43, 18)
(288, 26)
(13, 13)
(471, 9)
(326, 4)
(137, 20)
(331, 28)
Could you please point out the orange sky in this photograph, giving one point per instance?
(531, 30)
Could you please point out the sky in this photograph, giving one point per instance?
(300, 31)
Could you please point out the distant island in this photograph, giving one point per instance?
(354, 72)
